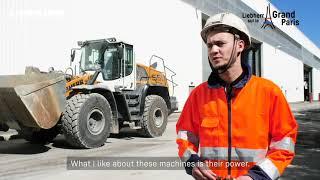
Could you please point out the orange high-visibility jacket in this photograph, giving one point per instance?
(245, 129)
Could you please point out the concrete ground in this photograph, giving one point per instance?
(22, 160)
(304, 106)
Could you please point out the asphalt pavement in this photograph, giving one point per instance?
(306, 162)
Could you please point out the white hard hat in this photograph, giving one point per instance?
(227, 22)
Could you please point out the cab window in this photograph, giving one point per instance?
(128, 61)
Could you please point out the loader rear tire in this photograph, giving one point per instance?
(36, 136)
(155, 117)
(86, 120)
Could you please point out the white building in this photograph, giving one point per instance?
(42, 32)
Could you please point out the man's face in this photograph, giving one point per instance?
(220, 45)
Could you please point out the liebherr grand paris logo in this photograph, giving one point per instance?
(287, 18)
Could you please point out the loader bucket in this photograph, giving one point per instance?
(32, 100)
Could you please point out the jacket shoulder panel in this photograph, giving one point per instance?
(267, 85)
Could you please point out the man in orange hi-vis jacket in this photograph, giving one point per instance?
(235, 125)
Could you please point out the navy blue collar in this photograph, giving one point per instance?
(214, 80)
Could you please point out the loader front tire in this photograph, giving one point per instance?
(86, 120)
(155, 117)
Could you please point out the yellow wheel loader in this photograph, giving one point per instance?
(110, 92)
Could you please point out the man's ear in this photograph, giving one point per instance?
(241, 45)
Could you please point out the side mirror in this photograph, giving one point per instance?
(154, 65)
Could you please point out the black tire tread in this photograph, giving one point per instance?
(145, 129)
(70, 120)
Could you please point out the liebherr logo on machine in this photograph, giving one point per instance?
(80, 82)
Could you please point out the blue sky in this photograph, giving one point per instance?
(308, 14)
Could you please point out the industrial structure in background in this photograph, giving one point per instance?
(110, 92)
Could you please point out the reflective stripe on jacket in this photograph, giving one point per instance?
(258, 130)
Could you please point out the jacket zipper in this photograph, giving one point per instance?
(229, 102)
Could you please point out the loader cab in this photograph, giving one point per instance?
(114, 59)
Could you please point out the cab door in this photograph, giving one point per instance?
(118, 69)
(129, 68)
